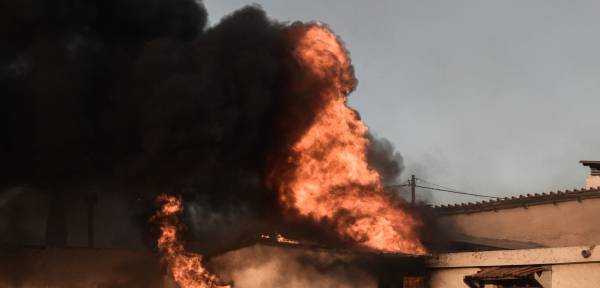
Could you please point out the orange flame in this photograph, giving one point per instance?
(331, 178)
(185, 267)
(285, 240)
(282, 239)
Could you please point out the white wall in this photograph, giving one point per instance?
(576, 275)
(566, 224)
(569, 268)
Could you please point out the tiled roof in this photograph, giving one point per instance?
(521, 201)
(501, 272)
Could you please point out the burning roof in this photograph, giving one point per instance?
(246, 119)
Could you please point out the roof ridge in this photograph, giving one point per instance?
(503, 200)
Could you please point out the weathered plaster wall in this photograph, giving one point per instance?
(585, 275)
(569, 267)
(78, 267)
(576, 275)
(266, 266)
(543, 256)
(565, 224)
(449, 278)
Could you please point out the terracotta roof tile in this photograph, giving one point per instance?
(501, 272)
(525, 201)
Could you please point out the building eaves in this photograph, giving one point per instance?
(501, 272)
(594, 166)
(519, 202)
(250, 239)
(492, 244)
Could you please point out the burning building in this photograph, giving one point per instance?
(245, 123)
(247, 120)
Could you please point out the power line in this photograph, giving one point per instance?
(452, 190)
(447, 189)
(457, 192)
(438, 185)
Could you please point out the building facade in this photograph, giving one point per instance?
(540, 240)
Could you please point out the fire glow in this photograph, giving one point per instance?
(185, 267)
(331, 180)
(281, 239)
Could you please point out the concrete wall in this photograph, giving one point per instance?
(542, 256)
(563, 276)
(569, 267)
(576, 275)
(79, 267)
(565, 224)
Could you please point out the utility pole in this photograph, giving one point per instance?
(90, 200)
(413, 183)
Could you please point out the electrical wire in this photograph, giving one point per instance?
(449, 190)
(457, 192)
(453, 190)
(438, 185)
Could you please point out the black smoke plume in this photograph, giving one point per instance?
(129, 92)
(140, 97)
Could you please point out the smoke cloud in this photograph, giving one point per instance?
(264, 266)
(134, 92)
(139, 97)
